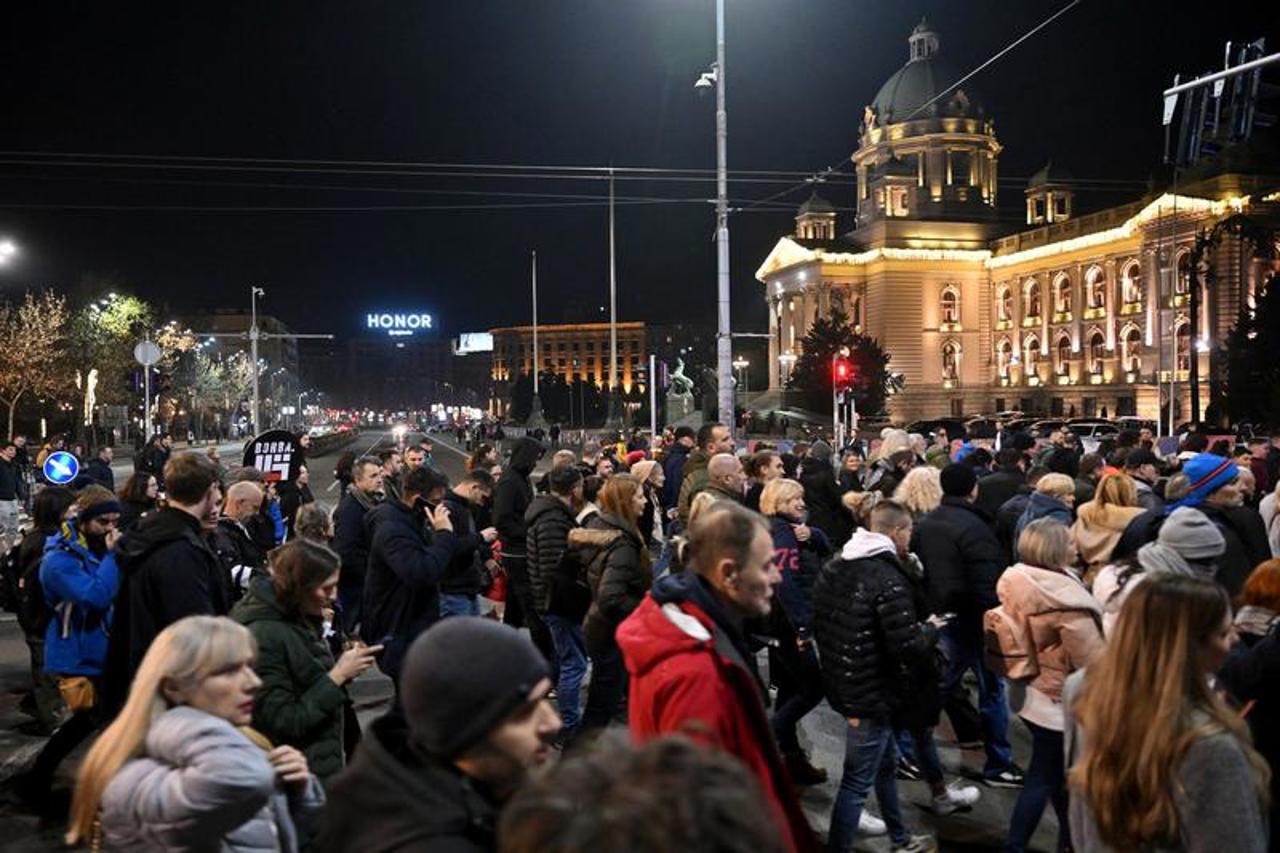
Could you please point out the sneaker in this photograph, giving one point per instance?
(1010, 777)
(908, 770)
(869, 824)
(970, 745)
(916, 844)
(802, 771)
(957, 797)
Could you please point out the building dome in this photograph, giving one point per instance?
(815, 204)
(919, 82)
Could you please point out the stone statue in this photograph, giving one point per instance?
(680, 384)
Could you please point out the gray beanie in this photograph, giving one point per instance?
(461, 678)
(820, 450)
(1190, 532)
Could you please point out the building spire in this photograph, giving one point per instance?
(923, 41)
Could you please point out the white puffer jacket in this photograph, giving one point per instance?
(202, 785)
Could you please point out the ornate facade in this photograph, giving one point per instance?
(1077, 314)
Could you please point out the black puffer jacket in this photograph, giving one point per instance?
(465, 574)
(962, 560)
(822, 497)
(865, 624)
(512, 495)
(618, 573)
(548, 522)
(1247, 544)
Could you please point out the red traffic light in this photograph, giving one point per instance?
(842, 374)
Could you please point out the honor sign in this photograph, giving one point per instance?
(399, 325)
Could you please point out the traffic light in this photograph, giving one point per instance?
(842, 374)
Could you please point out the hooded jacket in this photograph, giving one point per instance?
(868, 632)
(689, 675)
(202, 785)
(1247, 544)
(298, 704)
(511, 497)
(401, 588)
(617, 574)
(547, 524)
(465, 574)
(166, 571)
(822, 497)
(962, 560)
(695, 480)
(391, 799)
(78, 587)
(1097, 530)
(1064, 624)
(800, 564)
(1041, 505)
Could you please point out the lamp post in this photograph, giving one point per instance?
(740, 364)
(715, 77)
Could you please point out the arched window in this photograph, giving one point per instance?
(1004, 304)
(950, 360)
(1096, 288)
(1182, 346)
(1182, 282)
(950, 303)
(1031, 298)
(1062, 295)
(1004, 357)
(1031, 353)
(1131, 283)
(855, 313)
(1097, 351)
(1131, 349)
(1062, 356)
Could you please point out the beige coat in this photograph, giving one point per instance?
(1096, 531)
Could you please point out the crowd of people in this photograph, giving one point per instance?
(687, 605)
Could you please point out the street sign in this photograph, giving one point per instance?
(277, 454)
(61, 468)
(147, 353)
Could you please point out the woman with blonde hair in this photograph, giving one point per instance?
(1102, 521)
(1054, 496)
(1061, 628)
(920, 491)
(178, 769)
(1163, 762)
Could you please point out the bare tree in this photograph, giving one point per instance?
(32, 348)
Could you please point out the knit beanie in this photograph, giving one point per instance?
(821, 451)
(95, 500)
(635, 456)
(461, 678)
(1190, 532)
(1207, 472)
(958, 480)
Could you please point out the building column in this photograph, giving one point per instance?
(788, 324)
(1152, 264)
(774, 352)
(1077, 308)
(824, 299)
(1112, 291)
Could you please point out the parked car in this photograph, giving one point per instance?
(981, 427)
(1091, 434)
(953, 426)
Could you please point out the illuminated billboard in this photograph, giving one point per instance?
(469, 342)
(398, 325)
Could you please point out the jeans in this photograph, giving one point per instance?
(963, 651)
(520, 613)
(918, 747)
(608, 687)
(799, 683)
(571, 653)
(869, 758)
(1045, 783)
(456, 604)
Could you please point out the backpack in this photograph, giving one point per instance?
(1009, 649)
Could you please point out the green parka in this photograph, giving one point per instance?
(297, 704)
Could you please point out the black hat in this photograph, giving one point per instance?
(1140, 456)
(958, 480)
(685, 432)
(461, 678)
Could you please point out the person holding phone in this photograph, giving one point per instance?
(300, 702)
(411, 547)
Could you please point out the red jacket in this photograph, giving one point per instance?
(680, 684)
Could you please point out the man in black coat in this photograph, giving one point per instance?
(963, 560)
(351, 536)
(1215, 491)
(673, 465)
(1007, 480)
(231, 540)
(511, 497)
(99, 469)
(167, 571)
(406, 564)
(868, 636)
(466, 576)
(822, 495)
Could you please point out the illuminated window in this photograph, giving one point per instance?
(1182, 283)
(1097, 351)
(1131, 283)
(950, 360)
(1182, 346)
(1031, 353)
(1004, 357)
(1004, 304)
(1062, 358)
(1131, 349)
(898, 202)
(1062, 295)
(950, 305)
(1096, 288)
(1031, 298)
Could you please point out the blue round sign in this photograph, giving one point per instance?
(61, 468)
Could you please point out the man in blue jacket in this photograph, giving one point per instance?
(673, 466)
(406, 564)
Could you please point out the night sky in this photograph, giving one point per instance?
(534, 83)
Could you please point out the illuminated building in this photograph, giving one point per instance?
(1078, 314)
(571, 351)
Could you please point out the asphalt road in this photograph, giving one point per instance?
(822, 732)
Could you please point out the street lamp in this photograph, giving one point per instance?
(740, 364)
(715, 77)
(8, 249)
